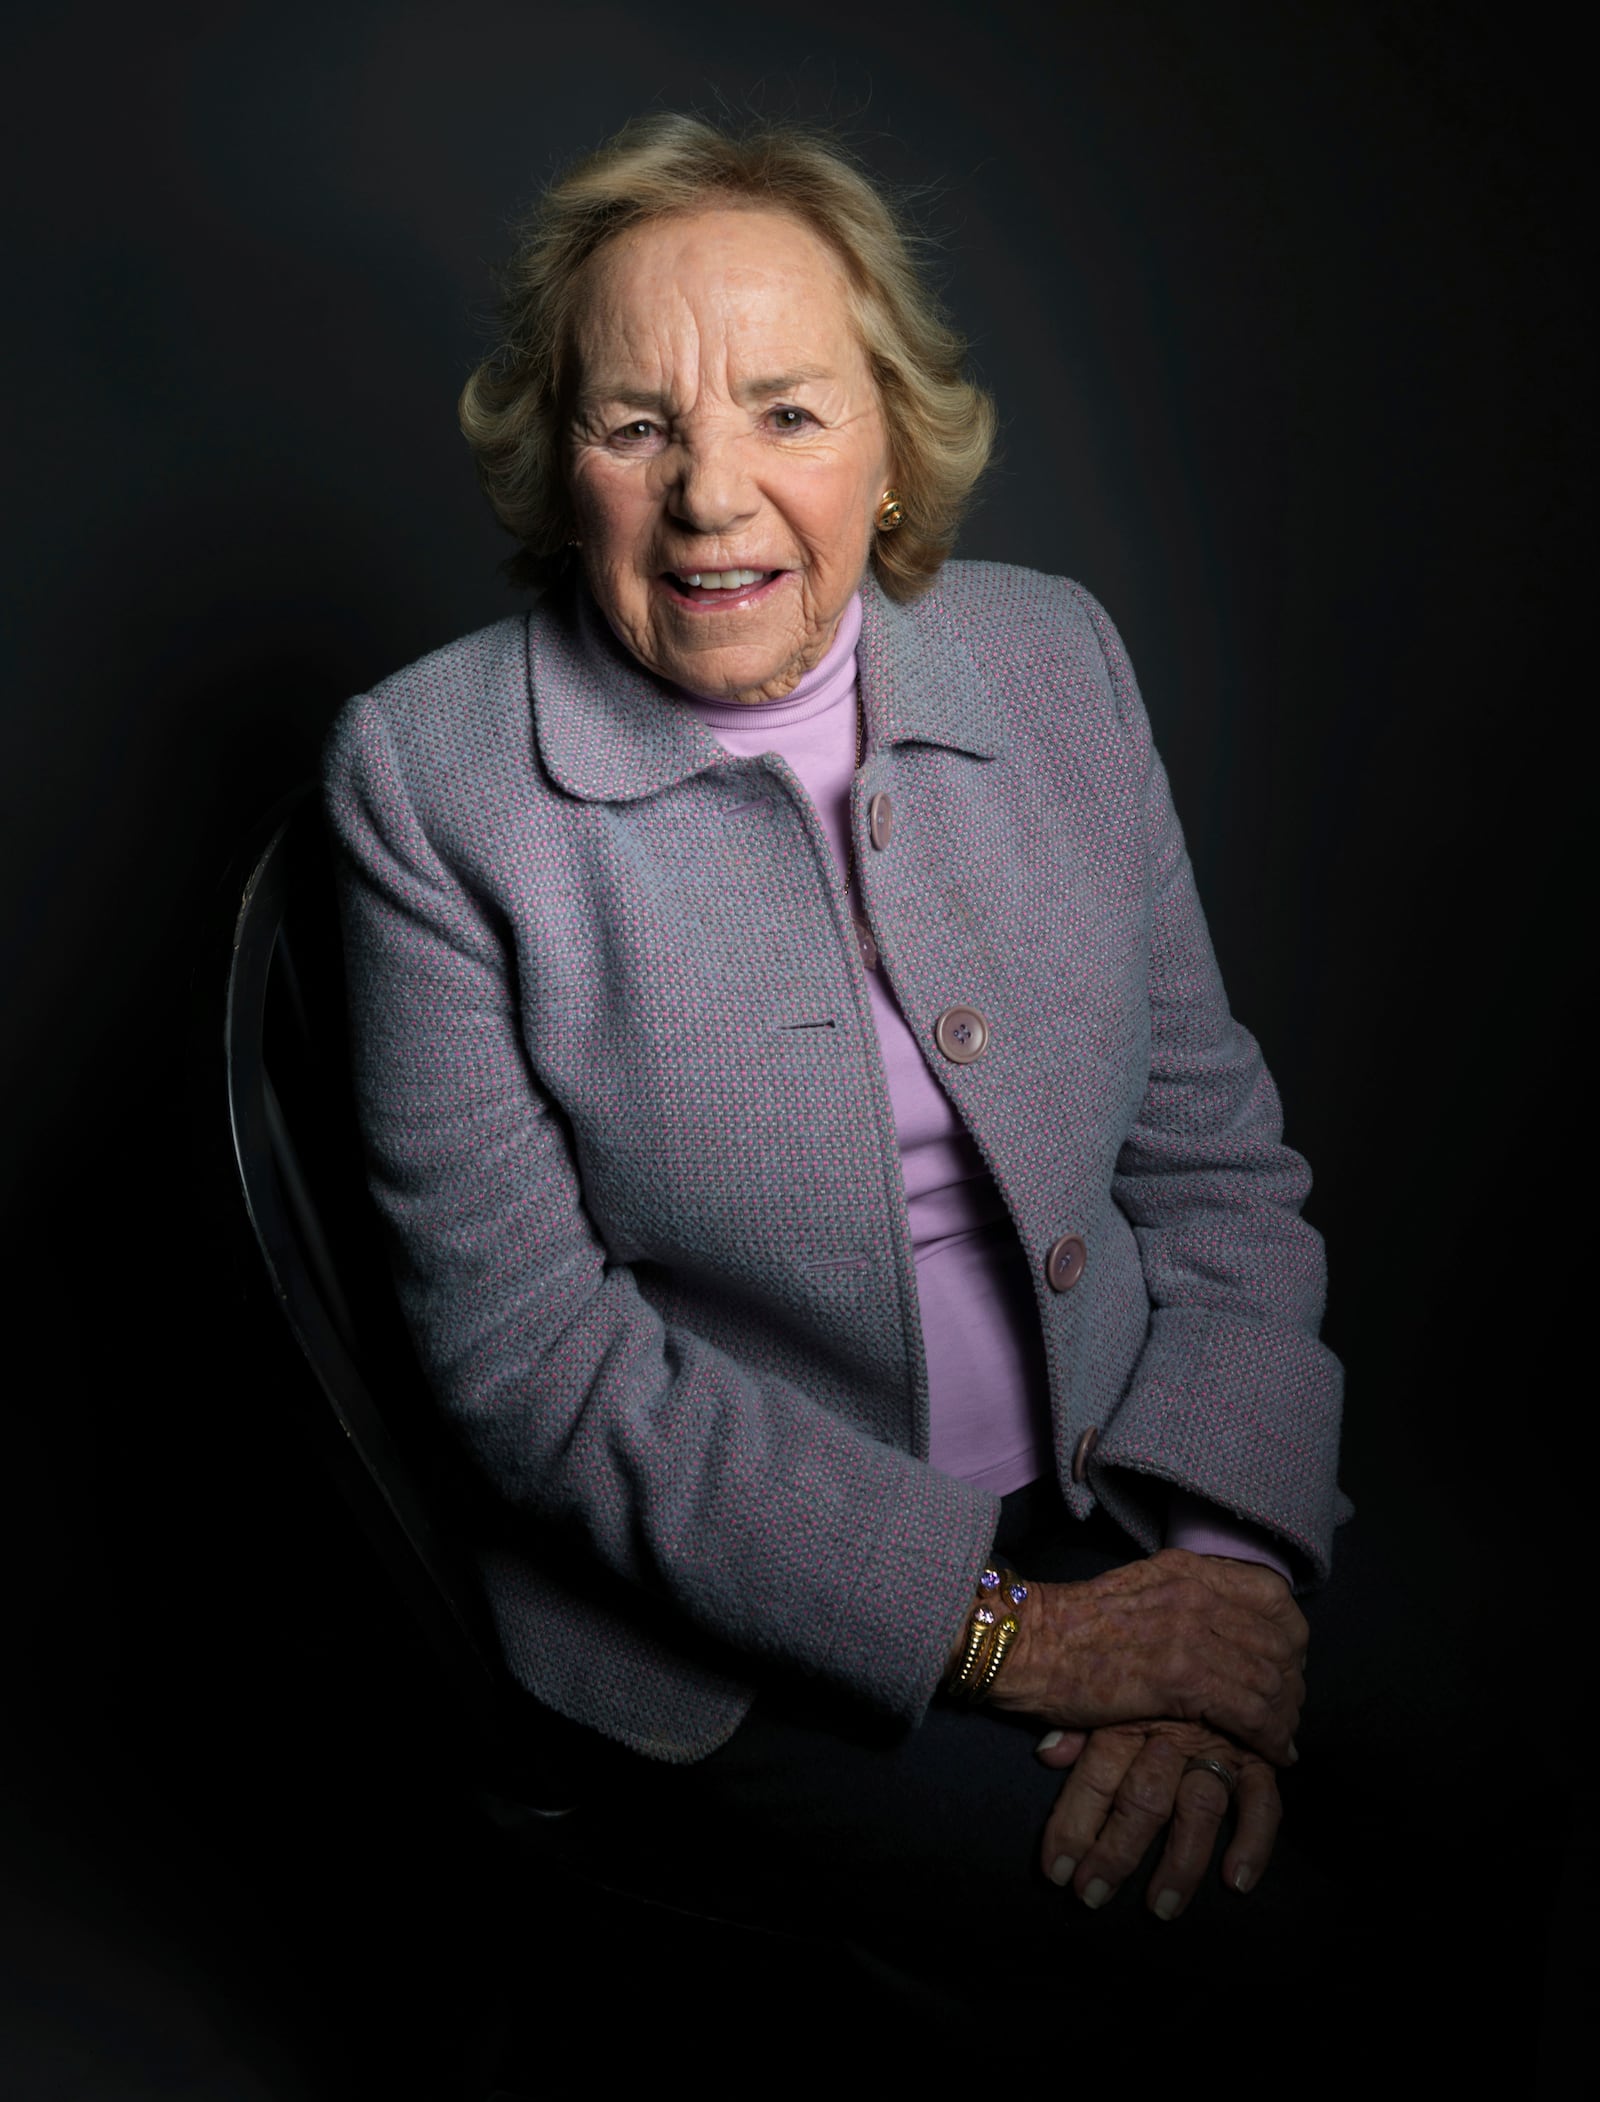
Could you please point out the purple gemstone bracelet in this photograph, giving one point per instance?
(990, 1634)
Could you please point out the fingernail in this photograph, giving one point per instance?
(1049, 1741)
(1097, 1893)
(1243, 1876)
(1294, 1751)
(1062, 1869)
(1167, 1904)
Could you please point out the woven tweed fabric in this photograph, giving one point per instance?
(628, 1126)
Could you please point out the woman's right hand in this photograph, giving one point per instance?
(1193, 1637)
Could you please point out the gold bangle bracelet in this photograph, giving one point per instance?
(969, 1655)
(975, 1657)
(989, 1637)
(1005, 1635)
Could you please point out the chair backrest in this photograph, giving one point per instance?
(297, 1149)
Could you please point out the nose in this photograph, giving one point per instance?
(711, 492)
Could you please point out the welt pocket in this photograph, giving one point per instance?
(842, 1264)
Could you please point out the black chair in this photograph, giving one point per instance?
(297, 1156)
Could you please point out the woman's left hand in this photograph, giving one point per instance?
(1127, 1782)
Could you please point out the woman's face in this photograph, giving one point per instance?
(727, 428)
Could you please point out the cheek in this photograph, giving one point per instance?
(610, 507)
(835, 512)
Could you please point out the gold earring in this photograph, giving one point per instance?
(891, 512)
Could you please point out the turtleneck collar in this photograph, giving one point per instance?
(828, 682)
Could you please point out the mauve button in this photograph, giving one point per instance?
(880, 819)
(961, 1034)
(1064, 1263)
(1080, 1458)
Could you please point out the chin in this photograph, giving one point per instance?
(736, 669)
(716, 676)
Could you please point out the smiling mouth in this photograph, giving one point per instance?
(720, 579)
(719, 587)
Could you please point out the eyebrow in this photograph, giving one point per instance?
(748, 390)
(624, 397)
(783, 383)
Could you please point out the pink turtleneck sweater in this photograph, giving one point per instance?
(987, 1391)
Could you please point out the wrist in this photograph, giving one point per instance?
(994, 1626)
(1273, 1568)
(1020, 1687)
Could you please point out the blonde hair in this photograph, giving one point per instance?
(941, 426)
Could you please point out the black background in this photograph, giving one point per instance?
(1281, 306)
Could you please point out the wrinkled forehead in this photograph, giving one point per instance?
(729, 291)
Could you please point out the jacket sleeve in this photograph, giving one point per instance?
(1234, 1398)
(740, 1504)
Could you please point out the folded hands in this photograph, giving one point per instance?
(1140, 1671)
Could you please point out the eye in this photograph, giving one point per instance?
(790, 419)
(631, 436)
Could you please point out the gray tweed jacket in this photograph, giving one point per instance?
(629, 1130)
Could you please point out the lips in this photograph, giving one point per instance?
(720, 579)
(719, 589)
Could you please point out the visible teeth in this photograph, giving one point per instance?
(722, 579)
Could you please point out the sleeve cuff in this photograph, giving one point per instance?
(1204, 1530)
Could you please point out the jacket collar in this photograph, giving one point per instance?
(920, 682)
(609, 731)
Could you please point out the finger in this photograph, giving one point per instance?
(1202, 1804)
(1144, 1803)
(1293, 1622)
(1243, 1697)
(1260, 1809)
(1085, 1802)
(1286, 1700)
(1254, 1697)
(1058, 1748)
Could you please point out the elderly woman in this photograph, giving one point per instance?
(828, 1190)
